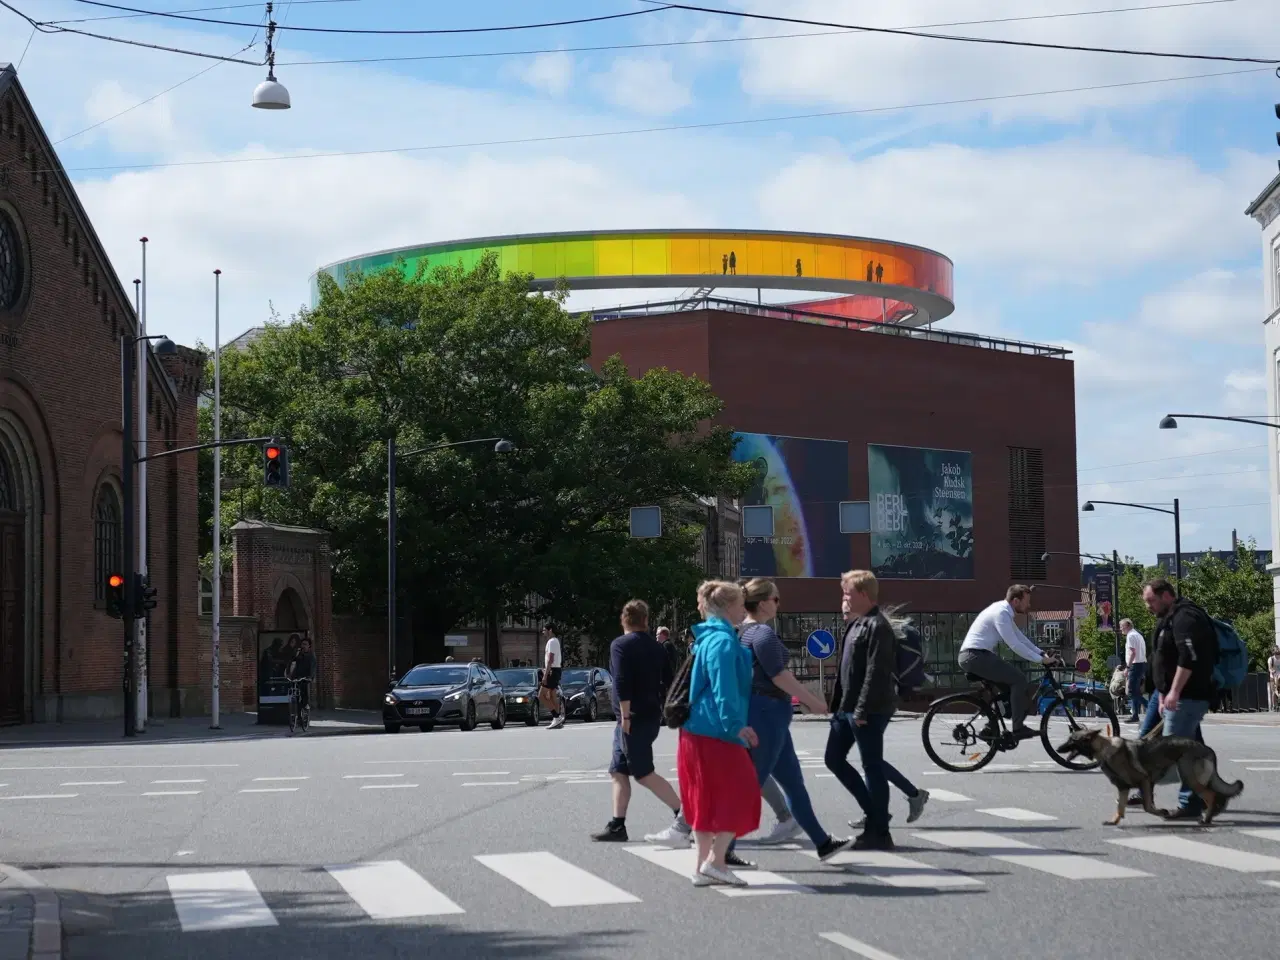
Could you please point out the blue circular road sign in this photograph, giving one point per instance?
(821, 644)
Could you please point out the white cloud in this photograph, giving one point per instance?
(550, 73)
(856, 71)
(646, 86)
(147, 128)
(1218, 304)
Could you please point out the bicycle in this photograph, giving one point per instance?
(297, 712)
(977, 746)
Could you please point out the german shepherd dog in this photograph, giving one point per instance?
(1141, 764)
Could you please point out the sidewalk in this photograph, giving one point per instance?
(236, 726)
(30, 918)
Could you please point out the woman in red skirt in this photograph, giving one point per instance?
(718, 786)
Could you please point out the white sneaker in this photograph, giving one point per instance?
(701, 881)
(782, 831)
(557, 723)
(672, 836)
(719, 875)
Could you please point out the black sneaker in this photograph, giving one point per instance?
(873, 841)
(735, 862)
(831, 846)
(1025, 733)
(613, 833)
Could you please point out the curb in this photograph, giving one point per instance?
(46, 927)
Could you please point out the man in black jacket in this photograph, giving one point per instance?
(1185, 648)
(865, 697)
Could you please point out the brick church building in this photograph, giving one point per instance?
(63, 313)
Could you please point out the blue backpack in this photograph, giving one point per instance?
(1232, 663)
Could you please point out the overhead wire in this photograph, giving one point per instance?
(245, 6)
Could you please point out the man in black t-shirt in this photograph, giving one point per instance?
(638, 665)
(1185, 647)
(303, 667)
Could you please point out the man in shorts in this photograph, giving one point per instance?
(551, 667)
(637, 663)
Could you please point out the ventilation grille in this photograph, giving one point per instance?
(1026, 514)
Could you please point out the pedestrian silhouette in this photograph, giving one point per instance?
(870, 269)
(799, 273)
(724, 263)
(879, 272)
(733, 262)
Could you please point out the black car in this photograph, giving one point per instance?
(520, 690)
(588, 693)
(445, 693)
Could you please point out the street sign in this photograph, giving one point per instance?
(456, 640)
(821, 644)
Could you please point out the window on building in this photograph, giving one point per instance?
(1275, 276)
(206, 596)
(107, 535)
(1026, 514)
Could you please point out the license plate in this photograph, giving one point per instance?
(417, 711)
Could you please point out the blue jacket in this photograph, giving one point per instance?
(720, 684)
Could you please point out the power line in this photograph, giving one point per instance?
(1181, 476)
(1184, 456)
(668, 128)
(442, 31)
(231, 6)
(992, 41)
(610, 47)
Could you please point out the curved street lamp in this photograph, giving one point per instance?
(1177, 526)
(1170, 422)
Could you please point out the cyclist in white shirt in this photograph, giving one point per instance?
(552, 665)
(978, 652)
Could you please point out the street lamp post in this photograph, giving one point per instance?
(393, 457)
(1114, 561)
(1177, 529)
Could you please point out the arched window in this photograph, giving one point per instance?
(8, 495)
(107, 534)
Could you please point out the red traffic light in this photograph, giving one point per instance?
(115, 581)
(273, 453)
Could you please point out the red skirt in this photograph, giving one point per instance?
(719, 792)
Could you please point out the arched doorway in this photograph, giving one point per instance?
(12, 595)
(290, 612)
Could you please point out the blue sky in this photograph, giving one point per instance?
(1108, 220)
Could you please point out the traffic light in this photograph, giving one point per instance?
(146, 597)
(275, 465)
(115, 596)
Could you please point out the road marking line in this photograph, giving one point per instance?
(1265, 833)
(86, 783)
(176, 781)
(272, 779)
(823, 776)
(1205, 853)
(493, 783)
(389, 890)
(1016, 813)
(371, 776)
(857, 946)
(487, 773)
(465, 760)
(218, 901)
(1004, 768)
(1255, 759)
(1068, 865)
(1264, 769)
(43, 796)
(934, 773)
(555, 882)
(170, 793)
(389, 786)
(133, 766)
(682, 862)
(592, 781)
(896, 871)
(1270, 883)
(947, 796)
(269, 790)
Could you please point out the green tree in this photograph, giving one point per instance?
(453, 355)
(1243, 596)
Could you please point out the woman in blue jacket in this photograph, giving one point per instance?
(718, 784)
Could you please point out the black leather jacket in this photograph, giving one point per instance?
(867, 685)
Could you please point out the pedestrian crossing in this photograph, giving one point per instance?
(224, 899)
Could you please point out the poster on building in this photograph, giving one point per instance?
(804, 481)
(276, 650)
(921, 513)
(1104, 600)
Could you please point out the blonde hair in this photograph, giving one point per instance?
(756, 591)
(863, 581)
(718, 596)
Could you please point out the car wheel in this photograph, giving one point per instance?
(535, 715)
(593, 711)
(470, 722)
(426, 727)
(500, 718)
(391, 727)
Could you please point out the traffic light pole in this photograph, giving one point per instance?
(128, 350)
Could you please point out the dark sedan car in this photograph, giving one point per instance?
(520, 690)
(445, 693)
(588, 693)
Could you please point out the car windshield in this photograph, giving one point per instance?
(434, 677)
(513, 678)
(574, 676)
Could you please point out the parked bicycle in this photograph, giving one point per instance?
(299, 713)
(971, 729)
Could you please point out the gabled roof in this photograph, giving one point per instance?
(1264, 196)
(40, 140)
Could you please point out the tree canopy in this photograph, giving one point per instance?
(449, 356)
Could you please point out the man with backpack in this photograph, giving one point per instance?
(1185, 656)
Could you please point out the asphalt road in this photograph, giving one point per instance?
(476, 845)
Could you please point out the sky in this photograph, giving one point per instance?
(1088, 200)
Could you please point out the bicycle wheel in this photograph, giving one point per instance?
(959, 719)
(1078, 709)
